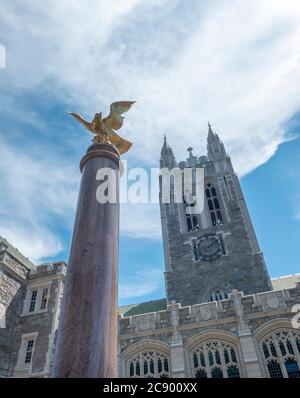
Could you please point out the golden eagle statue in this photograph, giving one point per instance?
(104, 129)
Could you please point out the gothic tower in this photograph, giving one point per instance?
(207, 255)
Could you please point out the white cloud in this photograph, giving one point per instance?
(237, 66)
(234, 63)
(34, 242)
(34, 192)
(140, 284)
(141, 220)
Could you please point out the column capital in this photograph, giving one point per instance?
(105, 150)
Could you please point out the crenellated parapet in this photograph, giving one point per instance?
(52, 270)
(233, 310)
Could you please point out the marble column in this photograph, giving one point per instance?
(87, 334)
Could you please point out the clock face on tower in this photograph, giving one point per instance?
(209, 247)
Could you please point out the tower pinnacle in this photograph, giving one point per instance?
(210, 129)
(215, 147)
(167, 157)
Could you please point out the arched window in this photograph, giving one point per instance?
(281, 352)
(216, 373)
(200, 374)
(274, 369)
(148, 364)
(218, 295)
(213, 205)
(215, 359)
(189, 223)
(233, 372)
(191, 219)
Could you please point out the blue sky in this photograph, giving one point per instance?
(236, 64)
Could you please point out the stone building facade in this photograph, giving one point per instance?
(222, 317)
(30, 305)
(215, 251)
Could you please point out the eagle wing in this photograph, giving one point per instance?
(119, 142)
(81, 120)
(115, 119)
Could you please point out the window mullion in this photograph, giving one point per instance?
(38, 299)
(155, 364)
(206, 361)
(295, 348)
(142, 364)
(224, 368)
(279, 356)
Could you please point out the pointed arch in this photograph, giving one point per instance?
(147, 359)
(273, 324)
(145, 345)
(214, 354)
(211, 334)
(279, 345)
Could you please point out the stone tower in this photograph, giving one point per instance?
(207, 255)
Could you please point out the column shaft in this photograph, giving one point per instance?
(87, 334)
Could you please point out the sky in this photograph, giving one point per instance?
(234, 63)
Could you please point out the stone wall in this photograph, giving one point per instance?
(241, 266)
(13, 276)
(193, 274)
(237, 319)
(43, 322)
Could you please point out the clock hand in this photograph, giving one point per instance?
(210, 245)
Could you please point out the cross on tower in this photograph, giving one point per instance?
(190, 151)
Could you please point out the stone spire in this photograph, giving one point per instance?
(215, 147)
(167, 158)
